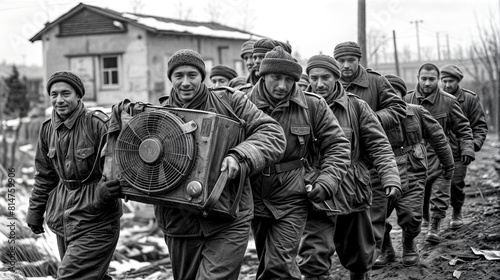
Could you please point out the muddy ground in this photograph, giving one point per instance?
(481, 215)
(142, 254)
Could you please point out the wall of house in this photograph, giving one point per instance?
(82, 54)
(213, 50)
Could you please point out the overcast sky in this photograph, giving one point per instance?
(310, 26)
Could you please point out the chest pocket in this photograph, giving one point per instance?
(413, 134)
(84, 160)
(441, 118)
(301, 132)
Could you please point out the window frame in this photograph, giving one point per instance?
(109, 72)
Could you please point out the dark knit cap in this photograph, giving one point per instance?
(304, 80)
(238, 81)
(450, 70)
(428, 66)
(397, 82)
(247, 48)
(323, 61)
(221, 70)
(267, 45)
(67, 77)
(278, 61)
(347, 48)
(186, 57)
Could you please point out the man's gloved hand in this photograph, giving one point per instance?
(467, 159)
(448, 172)
(393, 194)
(107, 191)
(316, 193)
(36, 229)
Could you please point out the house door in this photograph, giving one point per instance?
(83, 66)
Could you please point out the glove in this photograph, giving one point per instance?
(316, 193)
(448, 172)
(466, 160)
(107, 192)
(393, 194)
(36, 229)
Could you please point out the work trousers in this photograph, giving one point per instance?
(218, 256)
(89, 255)
(350, 235)
(277, 243)
(437, 190)
(458, 185)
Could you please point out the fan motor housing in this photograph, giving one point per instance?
(178, 163)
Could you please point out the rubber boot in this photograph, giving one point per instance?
(433, 232)
(360, 276)
(410, 254)
(456, 221)
(387, 254)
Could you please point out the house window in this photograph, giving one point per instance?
(110, 71)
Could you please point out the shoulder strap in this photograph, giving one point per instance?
(219, 187)
(229, 109)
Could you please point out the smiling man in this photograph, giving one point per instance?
(281, 199)
(208, 247)
(451, 76)
(82, 209)
(446, 110)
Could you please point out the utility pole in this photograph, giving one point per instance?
(439, 48)
(448, 46)
(416, 22)
(362, 31)
(396, 60)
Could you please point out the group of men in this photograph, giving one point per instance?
(328, 156)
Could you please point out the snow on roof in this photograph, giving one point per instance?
(197, 30)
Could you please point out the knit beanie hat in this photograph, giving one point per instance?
(186, 57)
(304, 80)
(397, 82)
(347, 48)
(246, 48)
(67, 77)
(450, 70)
(323, 61)
(267, 45)
(238, 81)
(278, 61)
(429, 66)
(221, 70)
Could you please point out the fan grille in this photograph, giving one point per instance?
(155, 168)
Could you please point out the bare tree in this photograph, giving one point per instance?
(406, 55)
(182, 12)
(485, 54)
(137, 6)
(214, 10)
(376, 43)
(427, 53)
(248, 16)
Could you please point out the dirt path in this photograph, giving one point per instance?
(481, 214)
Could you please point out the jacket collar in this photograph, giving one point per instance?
(340, 96)
(459, 94)
(360, 79)
(296, 96)
(69, 122)
(421, 96)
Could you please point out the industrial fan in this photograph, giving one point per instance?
(172, 156)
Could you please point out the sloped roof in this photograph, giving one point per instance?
(158, 24)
